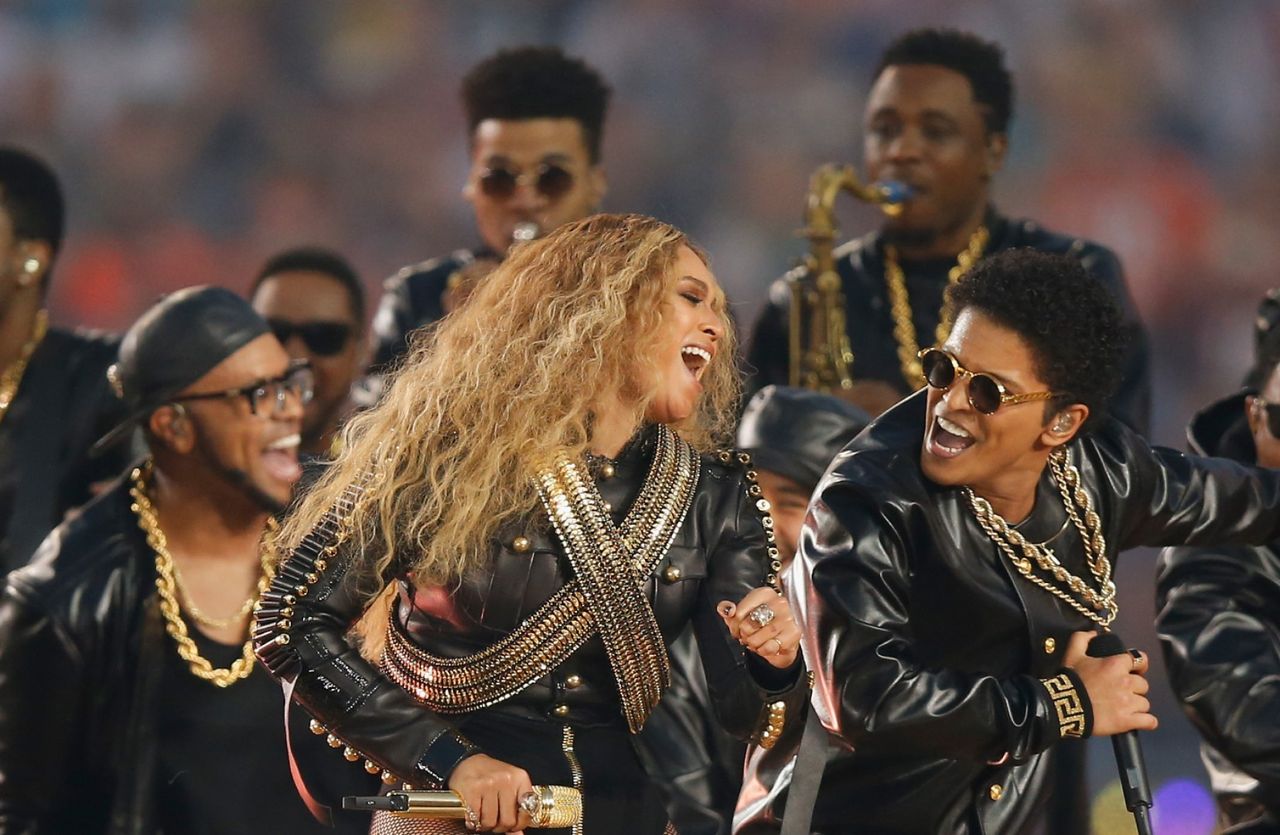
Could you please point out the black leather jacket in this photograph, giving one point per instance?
(930, 650)
(718, 554)
(63, 405)
(1218, 617)
(80, 656)
(860, 264)
(413, 298)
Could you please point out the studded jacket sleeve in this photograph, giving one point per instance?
(312, 602)
(751, 698)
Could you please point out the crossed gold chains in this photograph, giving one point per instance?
(904, 329)
(167, 588)
(1097, 605)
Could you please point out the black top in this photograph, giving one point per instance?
(221, 765)
(414, 298)
(62, 406)
(869, 319)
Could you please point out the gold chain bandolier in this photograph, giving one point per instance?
(904, 329)
(611, 565)
(11, 377)
(167, 589)
(1098, 605)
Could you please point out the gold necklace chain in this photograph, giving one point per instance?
(189, 604)
(11, 378)
(166, 588)
(1098, 605)
(904, 329)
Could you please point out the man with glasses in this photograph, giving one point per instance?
(1218, 611)
(130, 700)
(936, 119)
(535, 120)
(314, 302)
(957, 559)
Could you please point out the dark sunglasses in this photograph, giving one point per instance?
(272, 393)
(552, 181)
(1270, 413)
(986, 393)
(324, 339)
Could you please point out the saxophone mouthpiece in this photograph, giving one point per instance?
(893, 192)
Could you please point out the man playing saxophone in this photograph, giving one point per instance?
(936, 121)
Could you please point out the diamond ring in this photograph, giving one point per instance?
(761, 615)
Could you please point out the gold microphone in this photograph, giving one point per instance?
(548, 807)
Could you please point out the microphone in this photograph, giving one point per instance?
(1128, 749)
(894, 192)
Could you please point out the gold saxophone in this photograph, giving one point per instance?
(820, 356)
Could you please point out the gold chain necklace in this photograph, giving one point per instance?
(11, 378)
(904, 329)
(199, 616)
(1099, 605)
(166, 587)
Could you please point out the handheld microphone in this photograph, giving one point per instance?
(1128, 749)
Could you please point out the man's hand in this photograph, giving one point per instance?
(1115, 685)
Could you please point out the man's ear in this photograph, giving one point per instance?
(1251, 414)
(599, 183)
(997, 148)
(1064, 425)
(172, 426)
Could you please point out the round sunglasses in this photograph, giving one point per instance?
(986, 393)
(549, 179)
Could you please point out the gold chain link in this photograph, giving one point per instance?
(1098, 605)
(904, 329)
(11, 378)
(166, 588)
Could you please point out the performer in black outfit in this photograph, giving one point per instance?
(535, 119)
(1218, 612)
(958, 558)
(540, 489)
(936, 119)
(54, 397)
(107, 723)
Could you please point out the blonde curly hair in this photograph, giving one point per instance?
(505, 384)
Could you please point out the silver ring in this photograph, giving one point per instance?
(531, 803)
(761, 615)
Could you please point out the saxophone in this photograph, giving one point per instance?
(820, 357)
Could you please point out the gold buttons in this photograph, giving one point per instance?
(996, 792)
(317, 728)
(350, 754)
(521, 544)
(573, 682)
(333, 741)
(671, 573)
(560, 710)
(1050, 645)
(607, 470)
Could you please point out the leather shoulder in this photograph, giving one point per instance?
(428, 273)
(81, 560)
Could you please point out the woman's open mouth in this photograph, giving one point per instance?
(696, 360)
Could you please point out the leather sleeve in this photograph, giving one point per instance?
(1217, 616)
(42, 682)
(392, 322)
(745, 690)
(313, 601)
(850, 587)
(1165, 497)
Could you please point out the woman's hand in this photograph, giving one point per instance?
(1116, 687)
(492, 790)
(762, 623)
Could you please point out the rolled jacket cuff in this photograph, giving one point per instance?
(1071, 705)
(443, 755)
